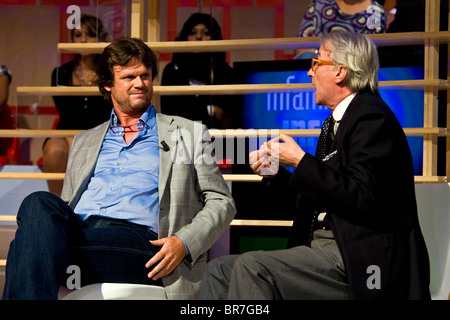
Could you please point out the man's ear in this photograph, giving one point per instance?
(107, 88)
(341, 73)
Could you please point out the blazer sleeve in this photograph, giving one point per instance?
(201, 205)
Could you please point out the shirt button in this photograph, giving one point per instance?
(103, 210)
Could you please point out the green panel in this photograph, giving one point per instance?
(261, 243)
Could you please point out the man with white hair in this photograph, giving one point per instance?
(356, 233)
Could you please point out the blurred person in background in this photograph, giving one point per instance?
(76, 112)
(200, 68)
(324, 16)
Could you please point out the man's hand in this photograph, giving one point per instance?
(289, 153)
(168, 258)
(262, 164)
(281, 151)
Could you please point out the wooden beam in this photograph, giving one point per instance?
(261, 223)
(137, 19)
(290, 43)
(153, 25)
(432, 14)
(227, 177)
(32, 175)
(216, 133)
(229, 89)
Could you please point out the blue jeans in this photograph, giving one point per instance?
(50, 237)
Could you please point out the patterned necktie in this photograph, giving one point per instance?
(326, 138)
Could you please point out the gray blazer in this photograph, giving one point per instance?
(195, 201)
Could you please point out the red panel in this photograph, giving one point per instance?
(28, 110)
(65, 3)
(18, 2)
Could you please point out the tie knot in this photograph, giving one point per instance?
(328, 125)
(330, 119)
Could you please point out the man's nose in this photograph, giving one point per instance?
(138, 82)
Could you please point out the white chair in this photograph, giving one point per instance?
(433, 201)
(116, 291)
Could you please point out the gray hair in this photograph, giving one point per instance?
(358, 54)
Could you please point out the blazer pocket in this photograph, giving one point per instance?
(334, 160)
(329, 156)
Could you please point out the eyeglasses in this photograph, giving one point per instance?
(318, 62)
(125, 129)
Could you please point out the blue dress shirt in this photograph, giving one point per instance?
(125, 180)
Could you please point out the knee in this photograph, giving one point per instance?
(33, 203)
(55, 154)
(37, 197)
(250, 263)
(55, 146)
(249, 259)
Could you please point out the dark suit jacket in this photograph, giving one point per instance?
(367, 189)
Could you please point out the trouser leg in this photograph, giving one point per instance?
(302, 272)
(50, 237)
(216, 279)
(37, 258)
(112, 250)
(315, 272)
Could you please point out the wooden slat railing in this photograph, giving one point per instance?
(290, 43)
(230, 89)
(215, 133)
(226, 177)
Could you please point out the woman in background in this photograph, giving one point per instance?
(76, 112)
(323, 16)
(205, 68)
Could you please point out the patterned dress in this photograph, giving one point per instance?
(323, 16)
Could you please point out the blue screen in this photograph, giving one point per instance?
(297, 110)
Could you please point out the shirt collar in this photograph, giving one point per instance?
(149, 117)
(340, 109)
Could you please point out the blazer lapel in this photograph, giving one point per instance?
(166, 128)
(87, 158)
(95, 146)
